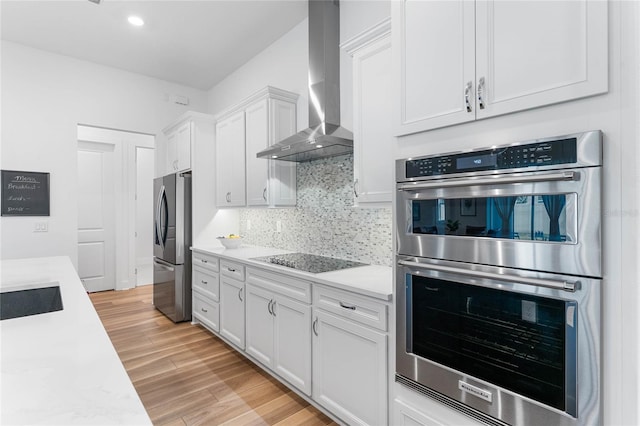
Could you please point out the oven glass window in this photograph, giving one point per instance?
(527, 217)
(513, 340)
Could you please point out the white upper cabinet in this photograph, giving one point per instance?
(230, 153)
(181, 138)
(372, 123)
(457, 61)
(268, 117)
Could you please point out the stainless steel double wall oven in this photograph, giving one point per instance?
(498, 285)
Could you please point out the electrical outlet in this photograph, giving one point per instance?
(248, 225)
(278, 226)
(41, 227)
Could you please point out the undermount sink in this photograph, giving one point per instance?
(34, 301)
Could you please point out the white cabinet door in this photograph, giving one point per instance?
(183, 148)
(230, 161)
(532, 53)
(257, 139)
(172, 153)
(372, 134)
(260, 325)
(282, 174)
(434, 63)
(404, 415)
(350, 370)
(232, 310)
(292, 342)
(459, 60)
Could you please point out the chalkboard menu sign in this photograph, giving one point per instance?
(25, 193)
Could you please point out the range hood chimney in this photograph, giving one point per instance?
(324, 137)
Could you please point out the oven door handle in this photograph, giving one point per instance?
(493, 180)
(554, 284)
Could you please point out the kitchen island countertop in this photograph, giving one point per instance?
(60, 367)
(370, 280)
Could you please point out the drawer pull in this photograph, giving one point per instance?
(231, 269)
(204, 282)
(204, 310)
(344, 305)
(203, 261)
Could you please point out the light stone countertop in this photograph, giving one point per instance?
(61, 367)
(371, 280)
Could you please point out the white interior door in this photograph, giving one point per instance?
(96, 216)
(144, 216)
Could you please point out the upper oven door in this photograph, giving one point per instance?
(545, 220)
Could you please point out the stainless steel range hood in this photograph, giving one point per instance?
(324, 137)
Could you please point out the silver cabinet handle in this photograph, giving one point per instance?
(344, 305)
(355, 188)
(204, 282)
(231, 269)
(204, 310)
(264, 194)
(228, 197)
(314, 326)
(491, 180)
(269, 307)
(467, 96)
(203, 261)
(240, 294)
(481, 93)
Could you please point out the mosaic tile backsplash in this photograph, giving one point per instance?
(324, 221)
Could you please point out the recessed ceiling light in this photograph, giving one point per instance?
(136, 21)
(274, 156)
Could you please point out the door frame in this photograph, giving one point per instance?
(125, 192)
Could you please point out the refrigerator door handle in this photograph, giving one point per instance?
(164, 218)
(157, 218)
(168, 266)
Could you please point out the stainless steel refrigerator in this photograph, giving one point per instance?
(171, 242)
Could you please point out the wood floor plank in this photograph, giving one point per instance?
(187, 376)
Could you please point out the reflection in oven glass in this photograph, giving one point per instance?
(512, 340)
(527, 217)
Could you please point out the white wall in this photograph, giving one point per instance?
(283, 65)
(44, 96)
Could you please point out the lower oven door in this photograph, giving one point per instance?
(518, 346)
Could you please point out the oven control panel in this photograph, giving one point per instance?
(561, 151)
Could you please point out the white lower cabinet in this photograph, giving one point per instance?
(350, 369)
(414, 409)
(205, 284)
(329, 345)
(279, 327)
(206, 311)
(232, 310)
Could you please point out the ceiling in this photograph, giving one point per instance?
(194, 43)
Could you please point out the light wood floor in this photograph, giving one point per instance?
(186, 376)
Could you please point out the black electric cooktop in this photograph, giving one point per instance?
(309, 262)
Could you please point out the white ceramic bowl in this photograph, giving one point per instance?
(230, 243)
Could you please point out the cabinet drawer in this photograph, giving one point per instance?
(352, 306)
(231, 269)
(285, 285)
(206, 311)
(206, 261)
(206, 282)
